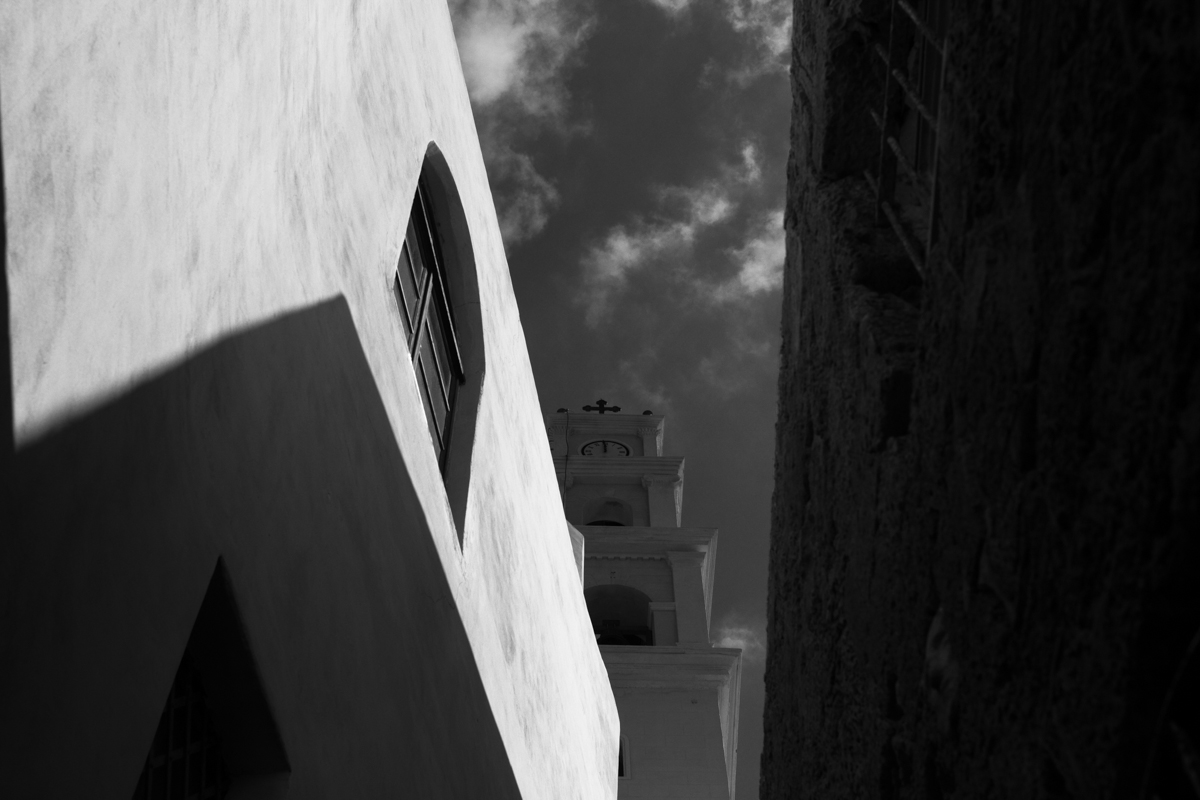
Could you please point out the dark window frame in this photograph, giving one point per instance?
(421, 289)
(918, 34)
(185, 760)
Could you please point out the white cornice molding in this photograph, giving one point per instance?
(649, 481)
(686, 557)
(627, 469)
(626, 557)
(610, 540)
(679, 668)
(637, 540)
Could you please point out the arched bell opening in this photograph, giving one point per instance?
(620, 615)
(612, 512)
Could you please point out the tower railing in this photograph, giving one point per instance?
(905, 178)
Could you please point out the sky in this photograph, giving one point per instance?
(636, 151)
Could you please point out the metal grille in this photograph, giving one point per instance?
(185, 759)
(428, 320)
(1173, 769)
(905, 179)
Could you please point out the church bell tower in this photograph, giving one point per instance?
(648, 585)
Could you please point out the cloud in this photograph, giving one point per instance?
(516, 55)
(766, 25)
(767, 22)
(516, 51)
(705, 204)
(759, 258)
(607, 264)
(628, 248)
(672, 6)
(749, 636)
(753, 171)
(525, 196)
(491, 47)
(684, 213)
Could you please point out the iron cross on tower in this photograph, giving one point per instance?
(602, 406)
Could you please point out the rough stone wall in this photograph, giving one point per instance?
(985, 525)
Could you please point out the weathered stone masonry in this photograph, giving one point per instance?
(985, 562)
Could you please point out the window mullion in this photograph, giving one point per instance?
(439, 284)
(429, 407)
(422, 314)
(451, 334)
(437, 368)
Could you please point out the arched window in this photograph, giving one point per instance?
(437, 291)
(620, 615)
(423, 294)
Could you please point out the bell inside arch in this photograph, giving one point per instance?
(611, 512)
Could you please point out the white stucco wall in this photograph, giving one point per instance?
(675, 749)
(177, 172)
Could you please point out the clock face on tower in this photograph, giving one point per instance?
(604, 448)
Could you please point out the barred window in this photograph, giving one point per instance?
(912, 61)
(423, 296)
(185, 760)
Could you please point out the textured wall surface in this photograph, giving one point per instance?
(365, 664)
(985, 586)
(675, 748)
(178, 173)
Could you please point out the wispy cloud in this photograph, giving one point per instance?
(667, 240)
(759, 260)
(767, 22)
(752, 170)
(628, 248)
(672, 6)
(749, 636)
(517, 50)
(515, 56)
(526, 196)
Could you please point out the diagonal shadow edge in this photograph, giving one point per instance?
(272, 450)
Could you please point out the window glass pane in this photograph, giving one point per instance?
(438, 330)
(407, 289)
(416, 254)
(436, 399)
(423, 385)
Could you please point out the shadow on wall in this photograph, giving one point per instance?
(271, 451)
(6, 396)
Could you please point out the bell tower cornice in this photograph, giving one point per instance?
(648, 428)
(630, 469)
